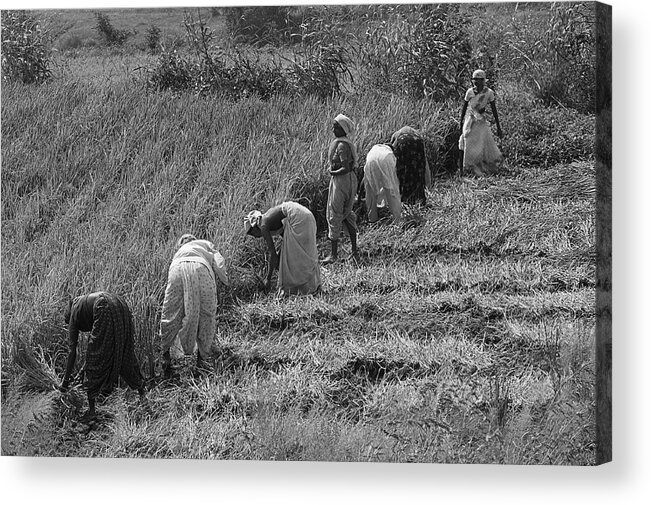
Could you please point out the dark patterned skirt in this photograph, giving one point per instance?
(110, 353)
(410, 168)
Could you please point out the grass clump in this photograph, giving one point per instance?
(25, 53)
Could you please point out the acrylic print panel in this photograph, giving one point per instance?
(472, 327)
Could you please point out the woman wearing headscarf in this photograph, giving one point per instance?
(342, 156)
(110, 352)
(381, 182)
(479, 153)
(298, 260)
(412, 167)
(190, 304)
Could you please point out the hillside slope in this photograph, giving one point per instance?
(465, 335)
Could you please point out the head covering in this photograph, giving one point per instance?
(479, 74)
(346, 124)
(185, 238)
(252, 219)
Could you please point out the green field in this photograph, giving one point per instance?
(465, 335)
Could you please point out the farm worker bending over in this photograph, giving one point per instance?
(110, 353)
(298, 261)
(479, 153)
(190, 304)
(412, 167)
(342, 156)
(381, 182)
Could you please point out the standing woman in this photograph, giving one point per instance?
(479, 153)
(412, 167)
(298, 261)
(110, 353)
(342, 156)
(190, 304)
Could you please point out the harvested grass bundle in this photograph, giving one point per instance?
(35, 374)
(576, 183)
(35, 408)
(245, 283)
(23, 423)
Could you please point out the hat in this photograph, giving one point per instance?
(479, 74)
(252, 219)
(346, 124)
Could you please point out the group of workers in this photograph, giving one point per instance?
(394, 173)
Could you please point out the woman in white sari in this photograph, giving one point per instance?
(298, 260)
(479, 153)
(381, 182)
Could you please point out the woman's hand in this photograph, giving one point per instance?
(339, 171)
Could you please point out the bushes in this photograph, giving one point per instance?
(538, 135)
(330, 24)
(153, 39)
(421, 50)
(172, 72)
(315, 70)
(318, 70)
(260, 25)
(25, 56)
(571, 41)
(438, 53)
(554, 55)
(111, 35)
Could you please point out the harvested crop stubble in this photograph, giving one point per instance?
(576, 181)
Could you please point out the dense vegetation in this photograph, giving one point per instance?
(464, 335)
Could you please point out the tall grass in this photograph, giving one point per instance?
(126, 172)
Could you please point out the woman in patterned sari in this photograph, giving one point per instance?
(412, 167)
(478, 152)
(110, 352)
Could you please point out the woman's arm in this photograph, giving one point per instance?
(343, 160)
(73, 333)
(271, 221)
(497, 119)
(463, 113)
(273, 259)
(428, 174)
